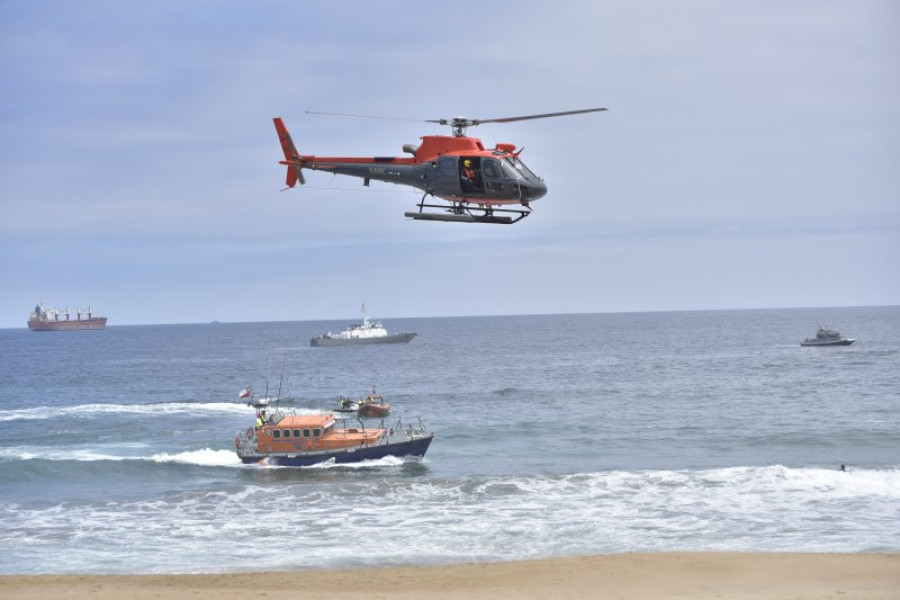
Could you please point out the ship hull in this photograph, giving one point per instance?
(413, 448)
(395, 338)
(374, 411)
(76, 325)
(832, 343)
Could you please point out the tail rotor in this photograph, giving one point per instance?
(292, 158)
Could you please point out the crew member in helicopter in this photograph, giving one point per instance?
(468, 175)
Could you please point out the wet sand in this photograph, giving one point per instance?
(634, 576)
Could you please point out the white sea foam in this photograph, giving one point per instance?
(397, 521)
(161, 409)
(387, 461)
(88, 410)
(61, 454)
(204, 458)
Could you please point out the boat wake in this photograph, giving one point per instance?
(90, 410)
(203, 458)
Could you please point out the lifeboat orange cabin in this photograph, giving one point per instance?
(313, 432)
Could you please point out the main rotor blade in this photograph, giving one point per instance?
(543, 116)
(331, 114)
(460, 123)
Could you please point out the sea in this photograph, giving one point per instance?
(555, 436)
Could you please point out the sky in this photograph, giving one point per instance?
(750, 157)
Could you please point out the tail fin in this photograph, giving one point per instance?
(292, 157)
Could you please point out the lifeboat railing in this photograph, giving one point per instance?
(413, 431)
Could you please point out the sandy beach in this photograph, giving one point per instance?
(633, 576)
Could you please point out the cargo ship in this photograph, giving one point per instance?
(53, 319)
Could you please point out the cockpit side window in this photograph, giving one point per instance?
(510, 170)
(447, 167)
(516, 169)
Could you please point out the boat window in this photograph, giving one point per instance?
(317, 432)
(287, 433)
(276, 433)
(306, 433)
(296, 433)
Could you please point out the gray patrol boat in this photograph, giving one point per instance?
(367, 332)
(827, 337)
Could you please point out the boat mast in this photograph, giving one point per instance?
(278, 398)
(269, 374)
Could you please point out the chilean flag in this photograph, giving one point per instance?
(246, 392)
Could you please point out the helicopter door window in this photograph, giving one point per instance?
(492, 175)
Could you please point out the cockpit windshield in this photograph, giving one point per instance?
(514, 168)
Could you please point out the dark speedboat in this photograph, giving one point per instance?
(827, 337)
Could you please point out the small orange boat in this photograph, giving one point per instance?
(304, 440)
(373, 405)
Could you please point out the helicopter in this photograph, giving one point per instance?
(482, 185)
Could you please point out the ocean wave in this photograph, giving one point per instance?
(205, 457)
(378, 463)
(331, 465)
(395, 520)
(507, 392)
(152, 409)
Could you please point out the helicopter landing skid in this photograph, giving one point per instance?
(463, 213)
